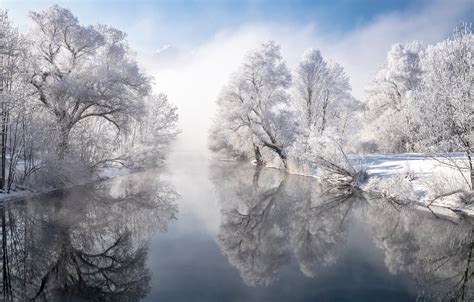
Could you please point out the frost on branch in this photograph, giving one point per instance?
(74, 100)
(263, 116)
(254, 113)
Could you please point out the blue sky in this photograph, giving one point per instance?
(151, 24)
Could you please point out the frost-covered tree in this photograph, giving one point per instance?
(14, 97)
(73, 99)
(83, 72)
(421, 101)
(323, 91)
(325, 107)
(144, 144)
(444, 103)
(151, 136)
(387, 118)
(254, 111)
(309, 76)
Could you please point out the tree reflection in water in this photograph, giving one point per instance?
(86, 244)
(268, 217)
(437, 252)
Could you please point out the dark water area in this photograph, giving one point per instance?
(221, 231)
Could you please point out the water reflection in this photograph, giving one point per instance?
(87, 244)
(268, 218)
(288, 238)
(436, 252)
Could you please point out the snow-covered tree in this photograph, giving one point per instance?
(444, 103)
(323, 94)
(15, 108)
(310, 74)
(144, 144)
(387, 118)
(151, 136)
(73, 99)
(83, 72)
(254, 111)
(326, 110)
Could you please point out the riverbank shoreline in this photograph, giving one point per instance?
(101, 175)
(419, 173)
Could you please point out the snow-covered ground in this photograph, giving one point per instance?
(423, 165)
(427, 175)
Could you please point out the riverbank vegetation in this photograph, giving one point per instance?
(73, 101)
(306, 121)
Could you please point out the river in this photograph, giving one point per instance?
(221, 231)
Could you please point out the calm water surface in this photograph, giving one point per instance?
(216, 231)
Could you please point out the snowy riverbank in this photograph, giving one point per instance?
(417, 177)
(426, 175)
(100, 175)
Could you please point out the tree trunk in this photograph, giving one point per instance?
(7, 287)
(3, 90)
(323, 123)
(309, 105)
(471, 170)
(4, 145)
(280, 153)
(472, 178)
(256, 175)
(63, 144)
(284, 159)
(258, 155)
